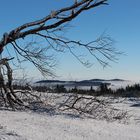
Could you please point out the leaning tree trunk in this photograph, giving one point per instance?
(7, 92)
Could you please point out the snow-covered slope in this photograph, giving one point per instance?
(44, 126)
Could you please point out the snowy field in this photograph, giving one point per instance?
(30, 125)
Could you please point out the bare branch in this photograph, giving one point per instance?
(41, 25)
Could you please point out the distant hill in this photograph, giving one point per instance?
(83, 81)
(107, 80)
(121, 80)
(50, 81)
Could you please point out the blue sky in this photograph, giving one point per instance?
(120, 19)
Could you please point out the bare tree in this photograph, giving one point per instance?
(48, 28)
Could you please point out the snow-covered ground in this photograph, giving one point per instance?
(29, 125)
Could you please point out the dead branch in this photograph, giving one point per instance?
(23, 30)
(94, 107)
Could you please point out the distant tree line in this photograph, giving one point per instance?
(103, 90)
